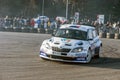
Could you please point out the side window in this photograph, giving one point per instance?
(94, 33)
(90, 34)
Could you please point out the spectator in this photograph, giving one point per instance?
(32, 22)
(118, 27)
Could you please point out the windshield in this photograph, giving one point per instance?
(72, 34)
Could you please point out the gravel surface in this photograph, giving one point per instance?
(19, 60)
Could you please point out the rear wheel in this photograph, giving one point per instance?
(98, 50)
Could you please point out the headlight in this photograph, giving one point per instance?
(76, 50)
(47, 46)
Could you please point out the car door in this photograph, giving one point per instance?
(95, 38)
(92, 39)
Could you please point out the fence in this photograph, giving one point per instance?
(103, 33)
(26, 30)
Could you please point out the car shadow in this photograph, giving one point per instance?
(103, 62)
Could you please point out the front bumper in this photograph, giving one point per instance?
(63, 58)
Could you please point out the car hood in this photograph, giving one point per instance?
(66, 42)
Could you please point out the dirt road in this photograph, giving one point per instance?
(19, 60)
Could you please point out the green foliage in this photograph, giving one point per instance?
(52, 8)
(116, 9)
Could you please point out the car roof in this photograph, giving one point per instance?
(77, 27)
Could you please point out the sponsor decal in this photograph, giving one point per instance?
(68, 40)
(80, 59)
(80, 55)
(56, 53)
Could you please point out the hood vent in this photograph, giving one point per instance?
(56, 43)
(68, 45)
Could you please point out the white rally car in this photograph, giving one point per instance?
(72, 43)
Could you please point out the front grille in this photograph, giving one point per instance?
(60, 50)
(61, 57)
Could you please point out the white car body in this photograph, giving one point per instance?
(72, 49)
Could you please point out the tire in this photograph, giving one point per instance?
(98, 50)
(89, 56)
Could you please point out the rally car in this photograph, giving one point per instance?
(72, 43)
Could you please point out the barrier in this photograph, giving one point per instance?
(17, 29)
(25, 29)
(9, 29)
(116, 36)
(102, 35)
(2, 28)
(46, 31)
(112, 36)
(49, 31)
(108, 35)
(38, 30)
(42, 30)
(33, 30)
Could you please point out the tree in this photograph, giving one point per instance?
(53, 8)
(116, 10)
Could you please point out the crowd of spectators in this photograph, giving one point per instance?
(108, 27)
(14, 21)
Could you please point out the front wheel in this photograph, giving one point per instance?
(89, 56)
